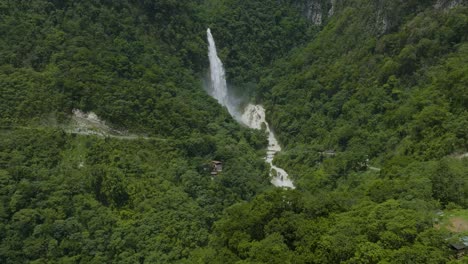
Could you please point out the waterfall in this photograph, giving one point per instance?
(253, 116)
(218, 88)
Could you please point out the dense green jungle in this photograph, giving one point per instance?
(368, 98)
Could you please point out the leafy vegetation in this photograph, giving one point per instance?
(70, 198)
(370, 107)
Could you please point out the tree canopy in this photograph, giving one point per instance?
(369, 103)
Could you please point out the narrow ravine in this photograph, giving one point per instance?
(252, 116)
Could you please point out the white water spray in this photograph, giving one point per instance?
(253, 115)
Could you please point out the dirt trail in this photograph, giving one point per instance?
(88, 124)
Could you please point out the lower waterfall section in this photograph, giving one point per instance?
(253, 117)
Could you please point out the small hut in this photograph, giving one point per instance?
(327, 154)
(216, 167)
(460, 247)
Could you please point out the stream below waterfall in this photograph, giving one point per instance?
(253, 117)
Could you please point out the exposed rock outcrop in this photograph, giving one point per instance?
(388, 14)
(448, 4)
(332, 8)
(317, 11)
(313, 12)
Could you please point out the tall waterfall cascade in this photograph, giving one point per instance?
(252, 116)
(218, 88)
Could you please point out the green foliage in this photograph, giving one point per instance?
(390, 104)
(252, 34)
(105, 57)
(280, 221)
(370, 107)
(90, 199)
(365, 95)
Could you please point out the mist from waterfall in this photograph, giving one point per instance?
(252, 116)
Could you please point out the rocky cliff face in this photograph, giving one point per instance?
(387, 12)
(316, 11)
(313, 11)
(448, 4)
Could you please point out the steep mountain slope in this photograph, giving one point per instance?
(68, 198)
(115, 59)
(352, 90)
(372, 112)
(369, 99)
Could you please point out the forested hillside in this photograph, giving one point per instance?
(368, 98)
(70, 198)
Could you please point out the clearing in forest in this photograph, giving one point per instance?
(455, 221)
(457, 225)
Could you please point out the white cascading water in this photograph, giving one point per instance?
(253, 115)
(218, 81)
